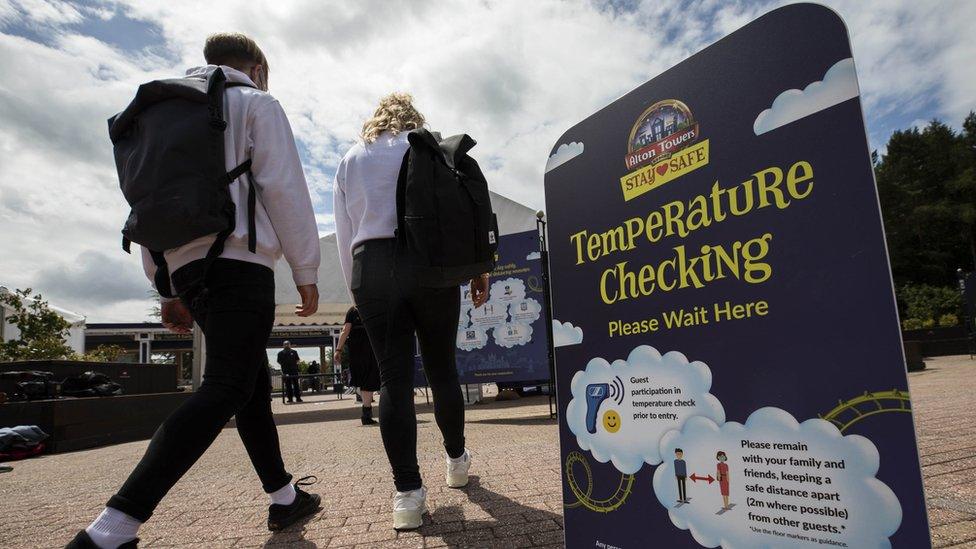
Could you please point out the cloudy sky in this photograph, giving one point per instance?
(513, 74)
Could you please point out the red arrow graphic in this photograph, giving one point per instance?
(696, 478)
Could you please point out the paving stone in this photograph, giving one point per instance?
(514, 498)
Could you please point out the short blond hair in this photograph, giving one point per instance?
(236, 50)
(395, 114)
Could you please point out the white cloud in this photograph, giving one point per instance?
(564, 333)
(564, 153)
(533, 256)
(874, 512)
(838, 85)
(529, 71)
(650, 394)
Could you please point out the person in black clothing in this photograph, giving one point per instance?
(361, 361)
(231, 297)
(288, 360)
(397, 308)
(313, 368)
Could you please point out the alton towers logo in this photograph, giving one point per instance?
(664, 144)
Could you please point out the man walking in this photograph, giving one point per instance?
(288, 360)
(224, 282)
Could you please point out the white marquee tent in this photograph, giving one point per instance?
(333, 297)
(76, 330)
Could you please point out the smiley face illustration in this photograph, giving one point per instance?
(611, 421)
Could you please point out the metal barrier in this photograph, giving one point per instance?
(307, 382)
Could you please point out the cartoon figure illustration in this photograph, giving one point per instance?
(508, 290)
(722, 475)
(611, 421)
(524, 306)
(680, 473)
(471, 334)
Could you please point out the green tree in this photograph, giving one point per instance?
(927, 186)
(43, 333)
(102, 353)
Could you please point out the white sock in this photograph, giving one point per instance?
(284, 495)
(460, 459)
(113, 528)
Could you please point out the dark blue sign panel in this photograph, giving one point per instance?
(504, 340)
(730, 370)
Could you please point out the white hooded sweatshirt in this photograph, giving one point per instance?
(257, 128)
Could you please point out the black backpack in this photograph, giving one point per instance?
(90, 384)
(446, 232)
(169, 151)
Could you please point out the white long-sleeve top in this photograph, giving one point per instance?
(257, 128)
(364, 195)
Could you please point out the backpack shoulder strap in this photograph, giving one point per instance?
(161, 279)
(401, 188)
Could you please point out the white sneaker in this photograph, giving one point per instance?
(457, 470)
(409, 508)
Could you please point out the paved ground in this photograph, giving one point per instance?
(513, 501)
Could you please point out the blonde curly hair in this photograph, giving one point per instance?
(395, 113)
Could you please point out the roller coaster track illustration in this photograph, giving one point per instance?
(843, 416)
(849, 412)
(583, 498)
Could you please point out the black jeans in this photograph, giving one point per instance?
(293, 388)
(236, 316)
(393, 309)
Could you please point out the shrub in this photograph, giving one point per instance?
(928, 303)
(911, 324)
(948, 320)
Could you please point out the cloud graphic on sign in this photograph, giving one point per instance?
(470, 339)
(564, 333)
(526, 311)
(533, 256)
(874, 511)
(633, 387)
(507, 290)
(838, 85)
(563, 154)
(520, 334)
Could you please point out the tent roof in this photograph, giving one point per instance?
(512, 218)
(329, 314)
(71, 317)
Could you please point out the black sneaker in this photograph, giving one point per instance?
(84, 541)
(368, 416)
(283, 516)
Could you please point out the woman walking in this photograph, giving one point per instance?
(359, 359)
(396, 308)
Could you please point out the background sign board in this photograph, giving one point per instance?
(716, 244)
(505, 339)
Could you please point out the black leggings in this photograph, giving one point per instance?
(393, 309)
(236, 318)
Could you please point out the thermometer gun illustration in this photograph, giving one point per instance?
(596, 393)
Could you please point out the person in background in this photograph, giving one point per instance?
(364, 372)
(238, 312)
(397, 309)
(315, 382)
(288, 360)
